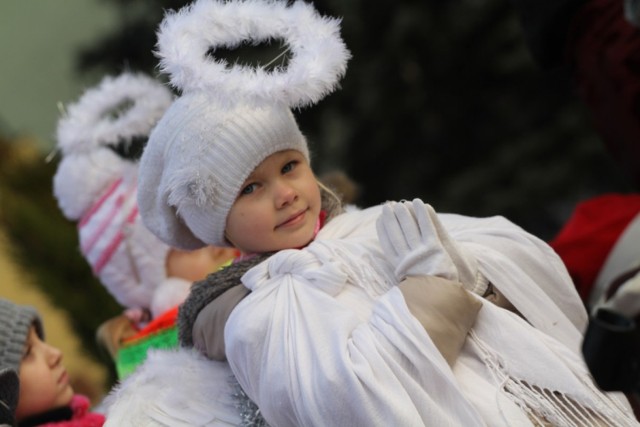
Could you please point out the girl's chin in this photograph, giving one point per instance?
(66, 395)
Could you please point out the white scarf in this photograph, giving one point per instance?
(326, 339)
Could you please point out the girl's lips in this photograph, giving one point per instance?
(293, 220)
(64, 378)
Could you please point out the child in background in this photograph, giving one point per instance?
(43, 396)
(101, 138)
(328, 319)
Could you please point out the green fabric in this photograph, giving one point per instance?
(131, 355)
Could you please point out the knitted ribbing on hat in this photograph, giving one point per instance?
(229, 117)
(15, 322)
(96, 183)
(197, 159)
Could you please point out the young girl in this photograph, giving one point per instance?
(346, 318)
(43, 396)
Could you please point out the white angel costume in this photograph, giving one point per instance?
(168, 390)
(325, 338)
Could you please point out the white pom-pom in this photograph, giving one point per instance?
(171, 292)
(80, 180)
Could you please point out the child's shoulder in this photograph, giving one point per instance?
(354, 221)
(205, 291)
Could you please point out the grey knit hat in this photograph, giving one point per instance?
(15, 322)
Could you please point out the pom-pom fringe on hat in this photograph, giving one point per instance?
(229, 117)
(96, 183)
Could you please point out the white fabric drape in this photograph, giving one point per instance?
(326, 339)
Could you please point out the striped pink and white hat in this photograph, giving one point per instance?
(96, 183)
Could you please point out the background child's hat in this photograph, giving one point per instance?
(15, 322)
(229, 117)
(101, 137)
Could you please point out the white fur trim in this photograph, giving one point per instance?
(81, 179)
(318, 55)
(88, 166)
(89, 125)
(174, 388)
(171, 292)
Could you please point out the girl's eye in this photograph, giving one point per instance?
(289, 166)
(27, 352)
(248, 189)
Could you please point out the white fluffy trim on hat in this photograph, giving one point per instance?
(119, 107)
(81, 179)
(171, 292)
(318, 56)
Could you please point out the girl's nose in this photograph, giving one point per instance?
(285, 194)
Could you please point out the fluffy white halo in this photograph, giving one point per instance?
(88, 165)
(88, 124)
(318, 56)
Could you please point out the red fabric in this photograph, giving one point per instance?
(164, 321)
(590, 233)
(81, 415)
(604, 53)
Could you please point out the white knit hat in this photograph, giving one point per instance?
(229, 118)
(95, 183)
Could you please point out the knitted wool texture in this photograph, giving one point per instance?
(197, 159)
(15, 322)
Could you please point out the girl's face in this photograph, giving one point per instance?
(44, 383)
(278, 206)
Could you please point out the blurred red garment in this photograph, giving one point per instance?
(590, 234)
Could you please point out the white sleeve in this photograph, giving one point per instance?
(307, 359)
